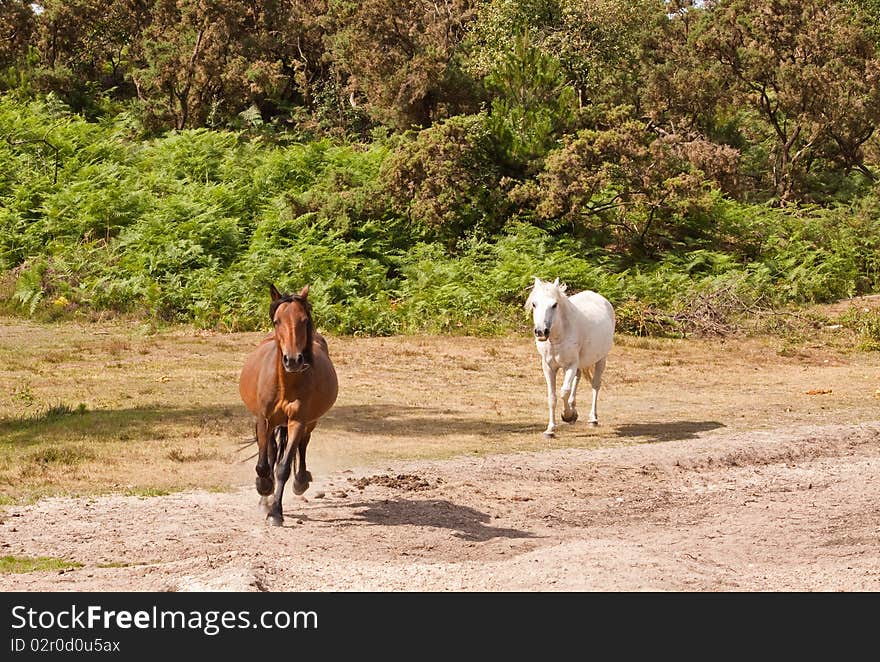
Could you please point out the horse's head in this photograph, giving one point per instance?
(292, 318)
(543, 302)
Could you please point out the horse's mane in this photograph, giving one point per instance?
(310, 325)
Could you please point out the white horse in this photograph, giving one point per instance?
(573, 334)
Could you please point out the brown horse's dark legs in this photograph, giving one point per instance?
(282, 471)
(264, 465)
(303, 477)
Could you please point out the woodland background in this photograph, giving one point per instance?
(417, 162)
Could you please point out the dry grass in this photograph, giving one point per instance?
(116, 408)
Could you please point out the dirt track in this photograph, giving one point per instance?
(718, 510)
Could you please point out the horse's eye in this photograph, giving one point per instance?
(554, 305)
(274, 322)
(533, 304)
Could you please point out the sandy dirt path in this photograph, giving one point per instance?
(793, 509)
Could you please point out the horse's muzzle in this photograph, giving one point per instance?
(296, 363)
(542, 334)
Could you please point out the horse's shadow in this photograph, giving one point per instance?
(666, 430)
(466, 523)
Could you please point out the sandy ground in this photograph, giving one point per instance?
(794, 509)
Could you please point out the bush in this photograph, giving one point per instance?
(445, 179)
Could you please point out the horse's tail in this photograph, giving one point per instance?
(280, 433)
(280, 438)
(244, 443)
(248, 442)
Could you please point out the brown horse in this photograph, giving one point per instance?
(288, 382)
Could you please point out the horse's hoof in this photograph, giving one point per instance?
(264, 485)
(549, 435)
(275, 520)
(299, 488)
(266, 505)
(594, 424)
(571, 418)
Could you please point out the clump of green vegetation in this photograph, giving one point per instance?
(866, 323)
(25, 564)
(53, 455)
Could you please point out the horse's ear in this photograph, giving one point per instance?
(537, 280)
(304, 292)
(556, 283)
(274, 293)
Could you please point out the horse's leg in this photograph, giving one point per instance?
(264, 466)
(282, 470)
(276, 445)
(550, 377)
(596, 382)
(569, 394)
(303, 476)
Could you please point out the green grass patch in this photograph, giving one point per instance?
(23, 564)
